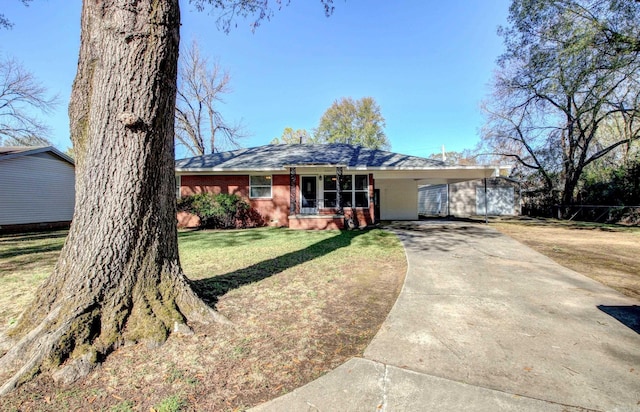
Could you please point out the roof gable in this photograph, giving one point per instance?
(278, 157)
(11, 152)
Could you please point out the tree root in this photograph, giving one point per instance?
(38, 343)
(72, 339)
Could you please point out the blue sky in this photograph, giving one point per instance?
(426, 63)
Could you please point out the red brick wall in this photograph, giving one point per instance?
(274, 211)
(315, 223)
(193, 184)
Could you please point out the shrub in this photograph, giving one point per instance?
(219, 211)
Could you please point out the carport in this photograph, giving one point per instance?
(398, 188)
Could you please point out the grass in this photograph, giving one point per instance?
(173, 403)
(25, 261)
(301, 303)
(607, 253)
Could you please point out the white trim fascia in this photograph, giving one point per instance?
(283, 170)
(310, 166)
(37, 150)
(201, 170)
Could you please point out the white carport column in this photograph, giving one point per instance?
(486, 202)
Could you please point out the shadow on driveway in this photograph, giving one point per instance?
(627, 315)
(439, 235)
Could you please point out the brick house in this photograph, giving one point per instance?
(324, 186)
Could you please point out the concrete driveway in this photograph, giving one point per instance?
(484, 323)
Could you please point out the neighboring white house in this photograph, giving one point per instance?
(468, 198)
(37, 187)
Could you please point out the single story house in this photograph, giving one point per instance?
(323, 186)
(37, 188)
(501, 196)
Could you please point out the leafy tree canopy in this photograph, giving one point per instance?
(464, 158)
(357, 122)
(257, 10)
(5, 22)
(570, 70)
(290, 136)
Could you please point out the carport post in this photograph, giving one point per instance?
(448, 198)
(292, 191)
(339, 190)
(486, 202)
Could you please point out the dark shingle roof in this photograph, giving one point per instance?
(277, 157)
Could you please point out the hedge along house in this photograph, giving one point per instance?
(37, 188)
(324, 186)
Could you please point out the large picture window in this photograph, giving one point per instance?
(355, 191)
(260, 187)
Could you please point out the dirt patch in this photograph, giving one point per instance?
(301, 304)
(606, 253)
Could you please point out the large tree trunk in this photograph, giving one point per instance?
(118, 278)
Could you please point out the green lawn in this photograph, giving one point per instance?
(25, 261)
(300, 303)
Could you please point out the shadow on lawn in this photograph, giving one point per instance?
(211, 289)
(222, 238)
(17, 245)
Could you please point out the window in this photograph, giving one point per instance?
(178, 184)
(260, 187)
(361, 191)
(355, 191)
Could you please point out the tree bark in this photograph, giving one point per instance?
(118, 278)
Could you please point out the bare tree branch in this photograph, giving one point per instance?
(20, 96)
(560, 85)
(199, 124)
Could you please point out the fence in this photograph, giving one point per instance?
(629, 215)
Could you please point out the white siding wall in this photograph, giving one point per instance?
(36, 189)
(432, 200)
(467, 198)
(398, 199)
(499, 201)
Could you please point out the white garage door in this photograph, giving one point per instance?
(499, 201)
(398, 199)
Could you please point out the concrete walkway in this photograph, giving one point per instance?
(484, 323)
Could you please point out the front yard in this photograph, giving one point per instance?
(609, 254)
(301, 304)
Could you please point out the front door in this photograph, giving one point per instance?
(309, 194)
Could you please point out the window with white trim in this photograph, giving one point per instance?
(355, 191)
(178, 184)
(260, 187)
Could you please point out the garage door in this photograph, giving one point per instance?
(499, 201)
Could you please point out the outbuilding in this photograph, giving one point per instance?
(496, 196)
